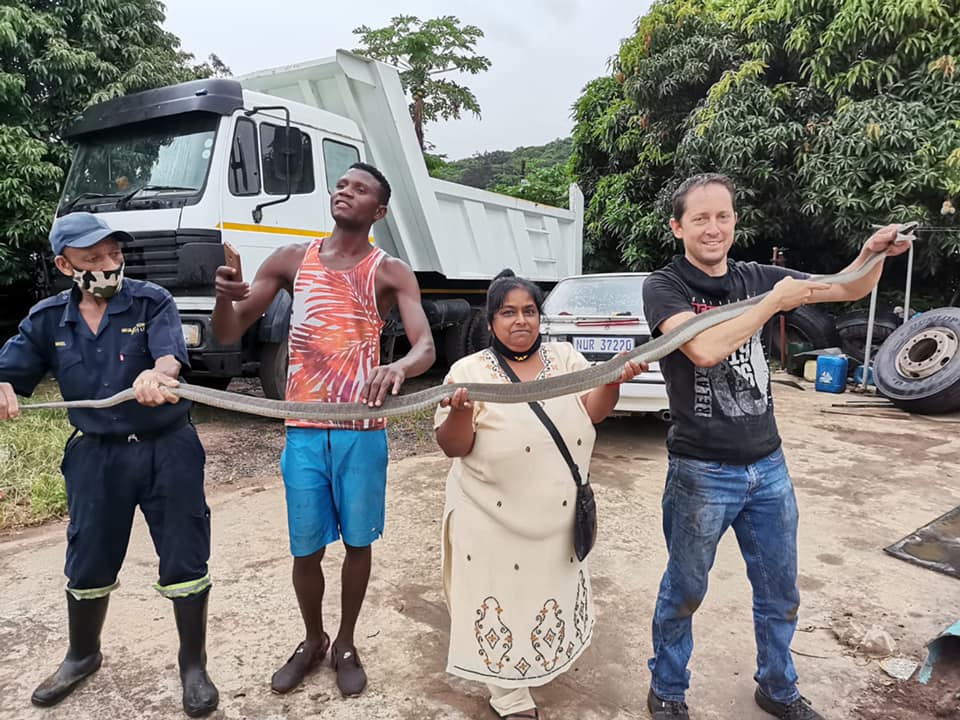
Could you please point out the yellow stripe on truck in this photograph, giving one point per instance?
(271, 230)
(245, 227)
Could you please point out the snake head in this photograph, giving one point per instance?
(905, 232)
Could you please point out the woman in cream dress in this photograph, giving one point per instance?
(520, 604)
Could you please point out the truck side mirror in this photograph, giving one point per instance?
(287, 155)
(288, 148)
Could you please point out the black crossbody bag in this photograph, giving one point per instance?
(585, 510)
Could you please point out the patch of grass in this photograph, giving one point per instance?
(31, 448)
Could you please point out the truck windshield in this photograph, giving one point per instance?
(165, 159)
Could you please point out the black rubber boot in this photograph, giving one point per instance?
(83, 656)
(200, 696)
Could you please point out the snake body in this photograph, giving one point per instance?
(569, 384)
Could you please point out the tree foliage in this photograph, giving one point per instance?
(502, 167)
(549, 186)
(830, 115)
(56, 58)
(424, 50)
(540, 173)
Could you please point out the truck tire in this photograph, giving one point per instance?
(852, 329)
(455, 341)
(478, 336)
(918, 367)
(806, 325)
(273, 369)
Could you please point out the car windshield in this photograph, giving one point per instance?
(170, 155)
(597, 296)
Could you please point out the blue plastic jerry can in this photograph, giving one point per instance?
(831, 373)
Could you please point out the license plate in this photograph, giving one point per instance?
(611, 345)
(191, 334)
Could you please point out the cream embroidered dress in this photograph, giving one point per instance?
(520, 602)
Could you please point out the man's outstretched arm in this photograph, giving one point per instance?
(883, 240)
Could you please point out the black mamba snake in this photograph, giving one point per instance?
(569, 384)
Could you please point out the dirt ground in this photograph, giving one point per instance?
(863, 482)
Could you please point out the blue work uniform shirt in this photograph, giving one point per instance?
(140, 324)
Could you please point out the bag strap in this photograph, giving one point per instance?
(547, 422)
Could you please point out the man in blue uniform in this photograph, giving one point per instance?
(106, 334)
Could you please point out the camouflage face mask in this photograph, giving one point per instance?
(102, 283)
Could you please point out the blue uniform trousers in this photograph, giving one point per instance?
(107, 477)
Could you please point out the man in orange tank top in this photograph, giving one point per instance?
(334, 473)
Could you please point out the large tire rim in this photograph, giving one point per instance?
(927, 352)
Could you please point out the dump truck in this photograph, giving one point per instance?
(252, 160)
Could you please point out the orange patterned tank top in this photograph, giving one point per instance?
(334, 335)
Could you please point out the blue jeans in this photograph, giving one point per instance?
(701, 500)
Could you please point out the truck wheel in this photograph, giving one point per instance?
(455, 341)
(852, 329)
(273, 369)
(805, 326)
(918, 367)
(478, 337)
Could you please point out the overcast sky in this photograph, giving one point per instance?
(543, 52)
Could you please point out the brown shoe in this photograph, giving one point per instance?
(351, 679)
(299, 665)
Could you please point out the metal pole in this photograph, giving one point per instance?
(906, 298)
(866, 350)
(779, 260)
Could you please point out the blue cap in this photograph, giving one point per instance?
(82, 230)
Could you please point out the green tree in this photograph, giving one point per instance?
(504, 167)
(56, 59)
(424, 50)
(830, 115)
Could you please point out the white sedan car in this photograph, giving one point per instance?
(602, 315)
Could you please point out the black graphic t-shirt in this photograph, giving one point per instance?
(723, 413)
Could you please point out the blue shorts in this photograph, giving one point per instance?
(336, 485)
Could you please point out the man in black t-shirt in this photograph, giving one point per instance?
(726, 467)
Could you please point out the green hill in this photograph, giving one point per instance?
(501, 167)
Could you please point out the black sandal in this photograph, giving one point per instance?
(291, 675)
(351, 678)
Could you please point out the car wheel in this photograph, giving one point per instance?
(918, 367)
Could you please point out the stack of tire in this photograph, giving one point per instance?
(918, 365)
(852, 329)
(808, 327)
